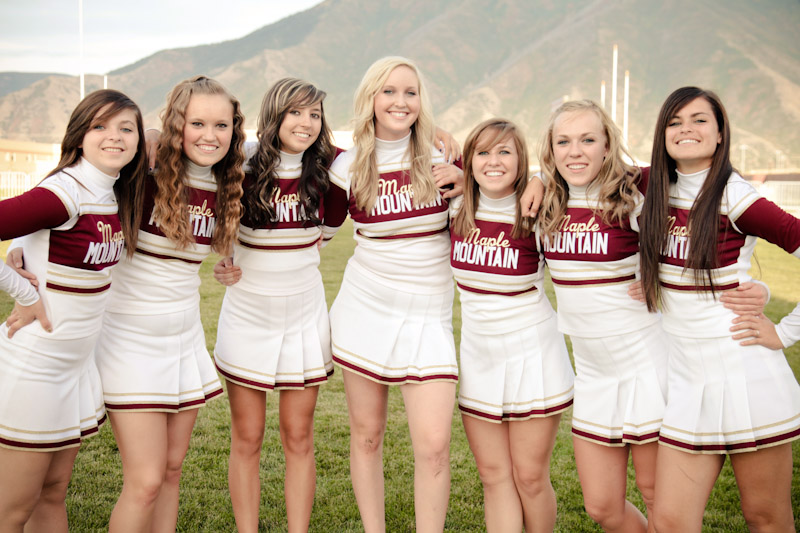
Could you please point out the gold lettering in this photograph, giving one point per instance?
(201, 210)
(474, 237)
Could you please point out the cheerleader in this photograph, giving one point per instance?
(391, 321)
(75, 221)
(516, 376)
(273, 329)
(699, 227)
(152, 356)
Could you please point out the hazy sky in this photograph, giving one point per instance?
(42, 35)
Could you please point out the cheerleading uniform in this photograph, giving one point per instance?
(514, 362)
(619, 348)
(50, 391)
(392, 319)
(273, 328)
(723, 397)
(152, 353)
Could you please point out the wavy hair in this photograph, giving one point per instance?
(703, 222)
(485, 135)
(284, 96)
(364, 170)
(97, 108)
(615, 182)
(171, 197)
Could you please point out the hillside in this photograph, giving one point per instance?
(484, 58)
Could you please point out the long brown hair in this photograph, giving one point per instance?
(171, 197)
(704, 214)
(97, 108)
(496, 129)
(365, 168)
(616, 179)
(285, 95)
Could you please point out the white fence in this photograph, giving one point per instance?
(15, 183)
(784, 193)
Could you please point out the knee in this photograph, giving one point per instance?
(144, 487)
(762, 515)
(531, 479)
(367, 439)
(433, 451)
(298, 441)
(494, 474)
(247, 440)
(172, 474)
(665, 520)
(604, 511)
(54, 492)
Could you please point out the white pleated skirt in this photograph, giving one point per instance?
(155, 362)
(393, 337)
(50, 392)
(620, 387)
(274, 342)
(728, 398)
(515, 376)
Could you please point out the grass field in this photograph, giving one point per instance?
(205, 503)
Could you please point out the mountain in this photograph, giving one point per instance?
(486, 58)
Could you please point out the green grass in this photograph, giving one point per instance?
(205, 503)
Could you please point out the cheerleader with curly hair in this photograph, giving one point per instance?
(152, 353)
(273, 331)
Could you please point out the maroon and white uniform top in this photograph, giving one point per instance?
(72, 260)
(398, 244)
(500, 278)
(592, 264)
(691, 310)
(281, 257)
(160, 278)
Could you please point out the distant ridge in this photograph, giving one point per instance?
(481, 59)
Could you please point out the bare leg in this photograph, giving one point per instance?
(429, 407)
(142, 441)
(532, 443)
(366, 405)
(683, 484)
(765, 484)
(492, 451)
(50, 513)
(179, 433)
(248, 409)
(297, 436)
(644, 463)
(603, 471)
(22, 474)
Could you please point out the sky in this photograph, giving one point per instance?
(43, 35)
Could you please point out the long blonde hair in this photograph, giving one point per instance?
(496, 130)
(364, 170)
(616, 180)
(171, 197)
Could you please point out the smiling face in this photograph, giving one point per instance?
(300, 128)
(397, 104)
(579, 146)
(208, 129)
(495, 168)
(692, 136)
(111, 144)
